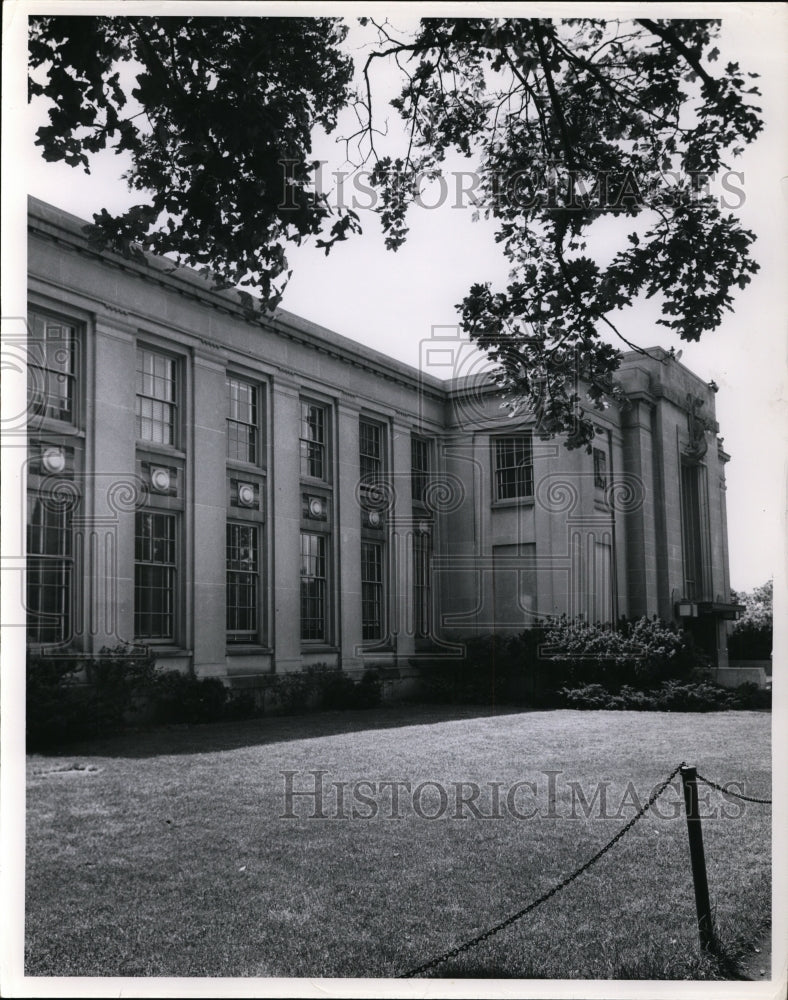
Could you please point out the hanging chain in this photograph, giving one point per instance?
(492, 931)
(735, 795)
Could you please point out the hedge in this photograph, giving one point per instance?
(73, 697)
(642, 663)
(671, 696)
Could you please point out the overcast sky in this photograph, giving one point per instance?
(393, 301)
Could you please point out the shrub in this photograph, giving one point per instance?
(704, 697)
(749, 695)
(336, 690)
(320, 687)
(179, 697)
(369, 692)
(589, 696)
(751, 636)
(241, 705)
(670, 696)
(76, 697)
(640, 652)
(79, 697)
(750, 641)
(287, 694)
(494, 668)
(56, 700)
(535, 666)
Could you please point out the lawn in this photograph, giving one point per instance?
(166, 854)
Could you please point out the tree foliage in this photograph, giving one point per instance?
(752, 635)
(219, 104)
(569, 124)
(572, 123)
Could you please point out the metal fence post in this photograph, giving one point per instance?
(700, 882)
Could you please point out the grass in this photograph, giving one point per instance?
(164, 854)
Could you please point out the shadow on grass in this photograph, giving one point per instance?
(161, 741)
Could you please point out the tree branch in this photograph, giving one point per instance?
(554, 99)
(668, 35)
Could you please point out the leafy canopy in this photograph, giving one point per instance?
(220, 103)
(752, 635)
(758, 606)
(572, 125)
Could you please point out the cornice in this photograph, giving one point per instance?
(65, 233)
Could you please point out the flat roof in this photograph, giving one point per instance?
(168, 271)
(284, 321)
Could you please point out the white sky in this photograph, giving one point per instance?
(391, 301)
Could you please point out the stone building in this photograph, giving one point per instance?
(250, 496)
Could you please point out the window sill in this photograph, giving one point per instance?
(514, 502)
(250, 467)
(172, 652)
(248, 649)
(318, 648)
(48, 425)
(160, 449)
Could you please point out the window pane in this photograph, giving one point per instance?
(694, 525)
(51, 368)
(371, 590)
(48, 599)
(313, 586)
(154, 575)
(313, 441)
(241, 420)
(514, 476)
(49, 570)
(370, 453)
(242, 581)
(156, 397)
(420, 469)
(421, 584)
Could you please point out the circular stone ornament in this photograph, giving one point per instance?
(160, 479)
(54, 460)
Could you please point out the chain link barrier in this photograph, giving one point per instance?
(497, 928)
(735, 795)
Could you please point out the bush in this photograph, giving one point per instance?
(589, 696)
(642, 652)
(750, 641)
(321, 687)
(76, 697)
(749, 695)
(751, 636)
(369, 692)
(57, 700)
(241, 705)
(671, 696)
(494, 668)
(335, 690)
(179, 697)
(535, 666)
